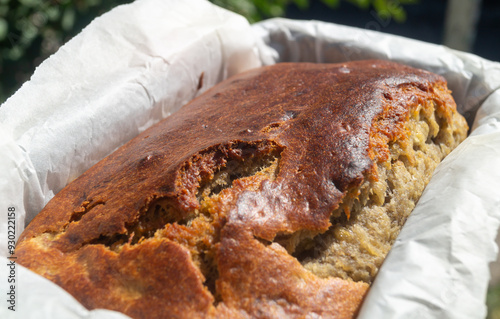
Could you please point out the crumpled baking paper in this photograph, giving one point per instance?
(142, 61)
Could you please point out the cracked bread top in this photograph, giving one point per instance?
(182, 221)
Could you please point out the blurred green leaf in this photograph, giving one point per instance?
(15, 53)
(332, 3)
(93, 3)
(493, 302)
(52, 13)
(29, 32)
(4, 9)
(4, 28)
(68, 19)
(363, 4)
(390, 9)
(275, 10)
(301, 4)
(31, 3)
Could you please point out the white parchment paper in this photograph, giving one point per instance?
(140, 62)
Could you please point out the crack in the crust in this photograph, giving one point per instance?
(207, 264)
(112, 242)
(78, 214)
(85, 207)
(224, 177)
(160, 213)
(205, 175)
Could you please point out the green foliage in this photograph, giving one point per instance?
(31, 30)
(256, 10)
(493, 302)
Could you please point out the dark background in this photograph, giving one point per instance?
(425, 21)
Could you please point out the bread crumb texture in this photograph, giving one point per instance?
(355, 247)
(276, 194)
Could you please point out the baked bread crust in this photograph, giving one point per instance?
(185, 220)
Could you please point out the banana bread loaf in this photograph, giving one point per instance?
(277, 193)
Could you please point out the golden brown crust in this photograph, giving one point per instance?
(267, 282)
(103, 239)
